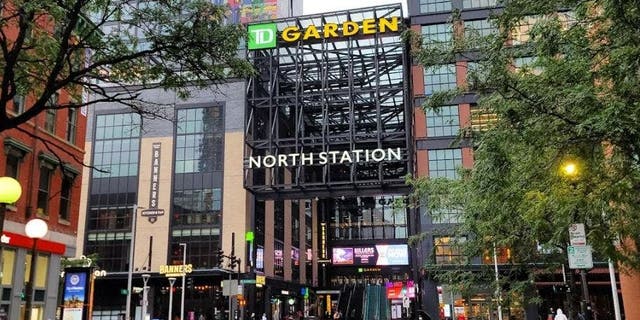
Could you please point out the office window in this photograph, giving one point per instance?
(430, 6)
(8, 265)
(365, 218)
(469, 4)
(520, 33)
(117, 145)
(18, 104)
(199, 140)
(72, 118)
(439, 78)
(444, 163)
(442, 216)
(442, 32)
(447, 249)
(478, 28)
(65, 198)
(443, 122)
(44, 186)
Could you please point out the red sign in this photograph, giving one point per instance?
(17, 240)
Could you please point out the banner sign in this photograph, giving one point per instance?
(378, 255)
(75, 294)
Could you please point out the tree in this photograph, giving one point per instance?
(568, 91)
(48, 46)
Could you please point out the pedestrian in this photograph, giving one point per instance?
(560, 315)
(353, 314)
(337, 315)
(264, 316)
(550, 315)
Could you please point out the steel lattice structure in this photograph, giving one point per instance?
(338, 94)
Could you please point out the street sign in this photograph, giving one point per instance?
(577, 236)
(229, 287)
(248, 281)
(580, 257)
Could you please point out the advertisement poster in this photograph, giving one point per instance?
(378, 255)
(343, 256)
(75, 294)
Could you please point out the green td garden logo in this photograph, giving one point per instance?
(262, 36)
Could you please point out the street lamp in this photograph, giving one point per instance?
(171, 282)
(132, 248)
(570, 169)
(145, 295)
(184, 262)
(35, 229)
(10, 191)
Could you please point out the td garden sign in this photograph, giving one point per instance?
(265, 35)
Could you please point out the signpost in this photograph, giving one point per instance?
(580, 257)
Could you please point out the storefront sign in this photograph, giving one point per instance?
(323, 241)
(322, 158)
(153, 212)
(176, 270)
(378, 255)
(264, 36)
(17, 240)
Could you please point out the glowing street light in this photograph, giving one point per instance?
(10, 192)
(35, 229)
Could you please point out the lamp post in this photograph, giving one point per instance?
(35, 229)
(132, 247)
(171, 282)
(145, 295)
(570, 170)
(184, 262)
(10, 191)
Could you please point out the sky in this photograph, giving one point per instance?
(317, 6)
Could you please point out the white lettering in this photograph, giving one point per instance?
(282, 160)
(346, 157)
(269, 161)
(323, 157)
(395, 155)
(304, 159)
(254, 162)
(378, 158)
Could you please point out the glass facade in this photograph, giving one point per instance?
(197, 194)
(446, 249)
(113, 189)
(368, 218)
(470, 4)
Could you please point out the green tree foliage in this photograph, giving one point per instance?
(74, 45)
(570, 92)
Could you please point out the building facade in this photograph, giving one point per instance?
(42, 155)
(327, 146)
(440, 152)
(168, 192)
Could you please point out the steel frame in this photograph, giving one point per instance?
(330, 95)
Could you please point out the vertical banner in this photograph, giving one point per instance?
(75, 293)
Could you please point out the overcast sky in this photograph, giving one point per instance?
(317, 6)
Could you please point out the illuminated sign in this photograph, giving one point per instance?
(323, 241)
(322, 158)
(379, 255)
(75, 293)
(263, 36)
(176, 270)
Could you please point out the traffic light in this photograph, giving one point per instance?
(219, 257)
(233, 262)
(190, 283)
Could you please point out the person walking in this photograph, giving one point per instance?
(560, 315)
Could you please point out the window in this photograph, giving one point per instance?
(439, 78)
(44, 186)
(478, 28)
(364, 218)
(446, 216)
(65, 198)
(117, 145)
(468, 4)
(18, 104)
(72, 117)
(442, 32)
(443, 122)
(50, 114)
(430, 6)
(444, 163)
(520, 33)
(199, 140)
(447, 249)
(11, 169)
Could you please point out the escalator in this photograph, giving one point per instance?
(375, 306)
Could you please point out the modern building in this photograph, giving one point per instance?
(42, 156)
(163, 193)
(439, 153)
(327, 146)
